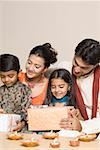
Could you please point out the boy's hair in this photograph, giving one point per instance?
(89, 51)
(9, 62)
(46, 52)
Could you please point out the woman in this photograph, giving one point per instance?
(37, 64)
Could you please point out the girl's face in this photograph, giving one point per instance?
(35, 66)
(59, 87)
(9, 78)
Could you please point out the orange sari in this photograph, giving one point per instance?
(38, 99)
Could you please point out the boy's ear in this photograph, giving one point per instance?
(19, 73)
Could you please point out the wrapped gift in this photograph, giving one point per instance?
(8, 122)
(48, 118)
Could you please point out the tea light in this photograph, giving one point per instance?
(75, 142)
(55, 143)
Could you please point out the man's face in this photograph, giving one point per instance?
(80, 68)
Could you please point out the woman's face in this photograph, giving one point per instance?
(9, 78)
(35, 66)
(59, 87)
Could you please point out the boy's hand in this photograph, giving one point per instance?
(1, 111)
(19, 127)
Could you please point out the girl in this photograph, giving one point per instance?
(14, 96)
(38, 62)
(60, 88)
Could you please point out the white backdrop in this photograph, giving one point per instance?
(25, 24)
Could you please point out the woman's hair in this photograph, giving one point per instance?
(46, 52)
(67, 77)
(89, 51)
(9, 62)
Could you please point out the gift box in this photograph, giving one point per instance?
(8, 122)
(41, 119)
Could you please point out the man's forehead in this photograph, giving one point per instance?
(79, 62)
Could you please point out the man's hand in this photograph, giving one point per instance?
(75, 113)
(71, 123)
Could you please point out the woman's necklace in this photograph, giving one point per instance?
(31, 82)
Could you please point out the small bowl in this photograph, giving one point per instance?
(30, 143)
(74, 143)
(88, 137)
(55, 143)
(50, 135)
(14, 136)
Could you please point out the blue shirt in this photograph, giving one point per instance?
(64, 100)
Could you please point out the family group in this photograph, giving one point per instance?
(58, 87)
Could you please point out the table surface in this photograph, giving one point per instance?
(44, 144)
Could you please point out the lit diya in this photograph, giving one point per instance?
(15, 136)
(30, 143)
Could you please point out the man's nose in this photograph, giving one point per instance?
(77, 69)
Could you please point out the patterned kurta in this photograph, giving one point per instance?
(15, 99)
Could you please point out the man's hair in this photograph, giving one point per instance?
(89, 51)
(9, 62)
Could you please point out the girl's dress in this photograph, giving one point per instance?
(64, 100)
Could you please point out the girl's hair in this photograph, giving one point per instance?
(89, 51)
(9, 62)
(66, 76)
(46, 52)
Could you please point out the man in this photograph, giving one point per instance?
(86, 76)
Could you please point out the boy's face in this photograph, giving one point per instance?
(59, 87)
(9, 78)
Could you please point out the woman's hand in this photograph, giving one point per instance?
(20, 126)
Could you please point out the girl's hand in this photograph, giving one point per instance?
(20, 125)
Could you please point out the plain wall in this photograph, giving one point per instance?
(25, 24)
(1, 25)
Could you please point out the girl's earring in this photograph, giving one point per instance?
(69, 88)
